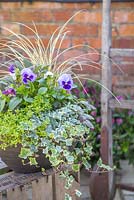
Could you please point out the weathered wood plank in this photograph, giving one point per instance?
(18, 193)
(12, 180)
(124, 104)
(106, 112)
(0, 196)
(60, 188)
(42, 189)
(121, 52)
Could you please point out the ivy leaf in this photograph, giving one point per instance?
(86, 163)
(14, 102)
(33, 161)
(70, 159)
(78, 193)
(25, 152)
(67, 197)
(76, 167)
(2, 104)
(42, 90)
(69, 142)
(99, 163)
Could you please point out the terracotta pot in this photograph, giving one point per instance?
(11, 158)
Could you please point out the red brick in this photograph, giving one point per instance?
(36, 15)
(81, 30)
(45, 15)
(89, 17)
(93, 42)
(123, 43)
(115, 31)
(80, 6)
(90, 68)
(43, 29)
(84, 5)
(124, 16)
(69, 5)
(72, 53)
(10, 5)
(42, 5)
(24, 16)
(4, 15)
(126, 30)
(44, 40)
(120, 5)
(97, 6)
(13, 27)
(126, 68)
(62, 15)
(65, 44)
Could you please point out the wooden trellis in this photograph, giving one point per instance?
(107, 102)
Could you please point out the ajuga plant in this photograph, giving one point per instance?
(38, 110)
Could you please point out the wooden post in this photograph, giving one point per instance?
(106, 150)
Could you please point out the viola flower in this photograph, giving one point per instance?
(94, 113)
(65, 81)
(12, 71)
(10, 91)
(98, 120)
(119, 121)
(28, 75)
(12, 68)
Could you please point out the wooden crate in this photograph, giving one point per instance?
(34, 186)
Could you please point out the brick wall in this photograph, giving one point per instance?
(85, 28)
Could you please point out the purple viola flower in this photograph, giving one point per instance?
(94, 113)
(65, 81)
(28, 75)
(119, 121)
(12, 68)
(98, 119)
(10, 91)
